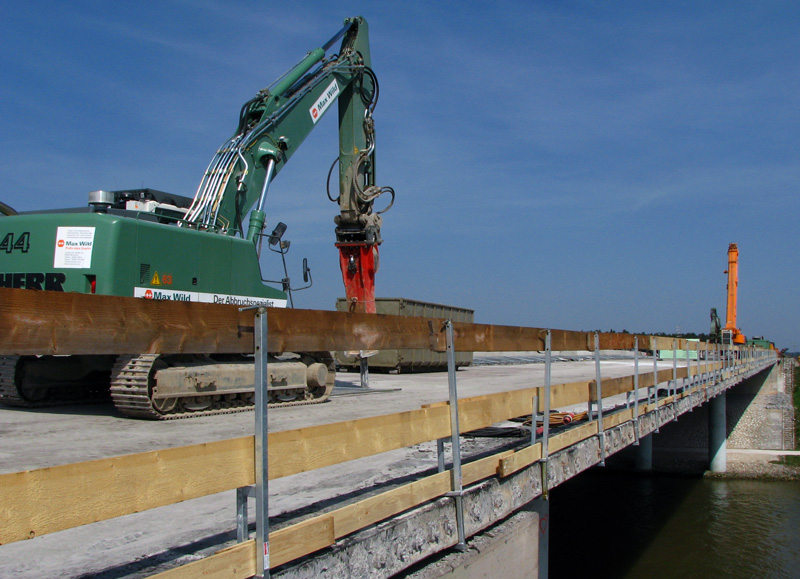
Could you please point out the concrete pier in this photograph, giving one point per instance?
(644, 453)
(717, 434)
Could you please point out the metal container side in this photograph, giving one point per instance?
(410, 360)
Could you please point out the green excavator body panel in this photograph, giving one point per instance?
(130, 255)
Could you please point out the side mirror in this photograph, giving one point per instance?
(306, 270)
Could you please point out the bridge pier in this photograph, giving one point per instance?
(541, 507)
(717, 434)
(516, 548)
(644, 453)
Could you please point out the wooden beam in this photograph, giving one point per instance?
(613, 420)
(612, 387)
(41, 501)
(239, 561)
(486, 338)
(520, 459)
(572, 436)
(46, 500)
(661, 343)
(562, 395)
(236, 562)
(48, 323)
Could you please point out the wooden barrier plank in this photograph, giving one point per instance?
(572, 436)
(353, 517)
(483, 467)
(46, 500)
(492, 338)
(238, 562)
(566, 340)
(47, 323)
(562, 395)
(664, 375)
(613, 420)
(369, 511)
(520, 459)
(31, 502)
(645, 378)
(614, 341)
(660, 343)
(611, 387)
(301, 539)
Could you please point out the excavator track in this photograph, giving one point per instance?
(17, 390)
(9, 395)
(132, 380)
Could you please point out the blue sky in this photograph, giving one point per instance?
(577, 165)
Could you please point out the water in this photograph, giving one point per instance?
(607, 524)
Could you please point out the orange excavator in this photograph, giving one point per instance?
(730, 333)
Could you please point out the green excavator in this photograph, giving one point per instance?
(154, 245)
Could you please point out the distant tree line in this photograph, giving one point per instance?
(685, 335)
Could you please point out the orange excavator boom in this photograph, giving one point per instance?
(735, 335)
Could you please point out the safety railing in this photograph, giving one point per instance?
(36, 502)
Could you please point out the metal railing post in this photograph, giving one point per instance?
(688, 367)
(674, 390)
(599, 395)
(534, 417)
(674, 386)
(636, 389)
(455, 438)
(654, 343)
(655, 373)
(440, 455)
(548, 361)
(242, 532)
(261, 446)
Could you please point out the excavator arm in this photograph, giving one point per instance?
(273, 125)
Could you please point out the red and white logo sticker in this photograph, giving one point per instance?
(324, 101)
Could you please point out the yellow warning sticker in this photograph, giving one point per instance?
(155, 280)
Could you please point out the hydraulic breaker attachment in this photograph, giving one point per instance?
(359, 262)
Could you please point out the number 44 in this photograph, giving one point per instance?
(23, 243)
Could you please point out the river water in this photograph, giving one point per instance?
(613, 524)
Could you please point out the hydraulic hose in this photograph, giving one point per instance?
(6, 209)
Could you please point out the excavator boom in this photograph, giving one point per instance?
(731, 334)
(272, 126)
